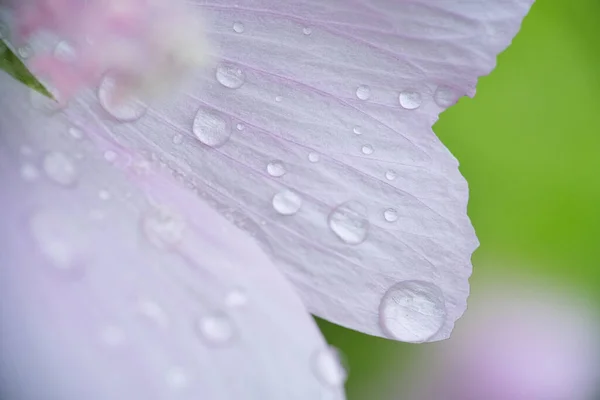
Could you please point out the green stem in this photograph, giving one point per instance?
(12, 65)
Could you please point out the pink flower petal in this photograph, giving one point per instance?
(118, 283)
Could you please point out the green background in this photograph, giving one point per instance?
(529, 145)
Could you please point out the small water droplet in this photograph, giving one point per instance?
(367, 149)
(287, 202)
(57, 239)
(65, 52)
(230, 76)
(236, 298)
(177, 138)
(122, 109)
(363, 92)
(76, 133)
(276, 168)
(445, 96)
(110, 156)
(216, 329)
(112, 336)
(239, 27)
(390, 215)
(240, 127)
(153, 312)
(328, 367)
(314, 157)
(60, 169)
(349, 222)
(410, 99)
(412, 311)
(176, 378)
(211, 127)
(104, 194)
(278, 98)
(24, 52)
(163, 227)
(390, 175)
(307, 30)
(29, 172)
(357, 130)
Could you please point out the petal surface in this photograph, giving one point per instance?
(117, 282)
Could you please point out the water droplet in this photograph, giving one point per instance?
(176, 378)
(239, 27)
(357, 130)
(236, 298)
(177, 138)
(153, 312)
(57, 239)
(390, 215)
(349, 222)
(240, 127)
(287, 202)
(65, 52)
(410, 99)
(163, 227)
(276, 168)
(29, 172)
(230, 76)
(110, 156)
(278, 98)
(445, 96)
(76, 133)
(307, 30)
(112, 336)
(122, 109)
(412, 311)
(60, 169)
(314, 157)
(211, 127)
(24, 52)
(328, 367)
(390, 175)
(367, 149)
(363, 92)
(216, 329)
(26, 150)
(104, 194)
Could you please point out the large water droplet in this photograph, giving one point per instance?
(59, 168)
(230, 76)
(238, 27)
(445, 96)
(412, 311)
(363, 92)
(276, 168)
(122, 109)
(287, 202)
(216, 330)
(410, 99)
(390, 215)
(349, 222)
(163, 227)
(211, 127)
(328, 367)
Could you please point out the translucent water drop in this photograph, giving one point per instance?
(176, 378)
(104, 194)
(390, 215)
(177, 139)
(239, 27)
(29, 172)
(216, 329)
(24, 52)
(278, 98)
(313, 157)
(60, 169)
(76, 133)
(65, 52)
(363, 92)
(349, 222)
(307, 30)
(276, 168)
(110, 156)
(328, 367)
(287, 202)
(163, 227)
(390, 175)
(154, 312)
(236, 298)
(367, 149)
(59, 241)
(412, 311)
(240, 127)
(122, 109)
(357, 130)
(230, 76)
(445, 96)
(112, 336)
(211, 127)
(410, 100)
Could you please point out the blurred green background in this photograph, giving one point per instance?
(529, 145)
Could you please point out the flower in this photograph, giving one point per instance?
(144, 248)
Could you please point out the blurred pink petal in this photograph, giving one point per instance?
(118, 283)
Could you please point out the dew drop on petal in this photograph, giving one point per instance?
(278, 98)
(287, 202)
(314, 157)
(390, 175)
(110, 156)
(177, 138)
(240, 127)
(104, 194)
(176, 378)
(57, 240)
(65, 52)
(349, 222)
(236, 298)
(153, 312)
(122, 110)
(76, 133)
(363, 92)
(412, 311)
(390, 215)
(328, 367)
(60, 169)
(24, 51)
(445, 96)
(211, 127)
(239, 27)
(367, 149)
(230, 76)
(276, 168)
(410, 100)
(163, 227)
(357, 130)
(215, 329)
(29, 172)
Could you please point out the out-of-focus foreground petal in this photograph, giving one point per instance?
(116, 283)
